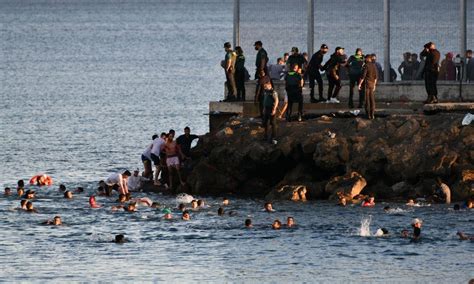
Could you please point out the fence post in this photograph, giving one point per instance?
(386, 37)
(310, 27)
(236, 38)
(463, 30)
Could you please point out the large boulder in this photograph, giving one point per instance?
(349, 185)
(207, 179)
(464, 189)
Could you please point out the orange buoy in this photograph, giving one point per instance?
(41, 180)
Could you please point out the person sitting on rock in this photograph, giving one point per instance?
(369, 202)
(268, 207)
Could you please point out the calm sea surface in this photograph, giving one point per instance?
(84, 85)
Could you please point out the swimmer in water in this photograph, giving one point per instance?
(220, 211)
(290, 222)
(386, 208)
(369, 202)
(465, 237)
(200, 203)
(23, 204)
(79, 190)
(30, 194)
(167, 214)
(225, 201)
(62, 187)
(405, 233)
(268, 207)
(416, 224)
(381, 232)
(131, 207)
(410, 202)
(8, 191)
(182, 207)
(55, 222)
(470, 204)
(194, 204)
(276, 225)
(20, 184)
(186, 216)
(155, 205)
(93, 202)
(119, 239)
(342, 202)
(248, 223)
(20, 191)
(122, 198)
(29, 207)
(456, 207)
(68, 194)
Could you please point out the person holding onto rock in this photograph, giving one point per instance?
(444, 190)
(369, 77)
(270, 105)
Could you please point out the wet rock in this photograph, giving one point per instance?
(350, 185)
(288, 192)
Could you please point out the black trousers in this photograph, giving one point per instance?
(240, 84)
(294, 96)
(268, 118)
(231, 87)
(431, 77)
(354, 82)
(335, 85)
(370, 99)
(317, 77)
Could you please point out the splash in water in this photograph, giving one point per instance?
(364, 230)
(184, 198)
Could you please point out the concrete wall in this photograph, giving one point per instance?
(396, 91)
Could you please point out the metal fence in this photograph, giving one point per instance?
(388, 28)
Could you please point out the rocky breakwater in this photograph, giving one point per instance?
(395, 157)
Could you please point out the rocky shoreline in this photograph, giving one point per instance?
(394, 158)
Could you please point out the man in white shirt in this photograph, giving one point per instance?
(146, 159)
(135, 181)
(119, 180)
(157, 146)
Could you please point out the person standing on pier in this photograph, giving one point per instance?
(332, 67)
(369, 77)
(261, 60)
(229, 67)
(355, 64)
(294, 89)
(432, 57)
(314, 66)
(270, 105)
(240, 73)
(296, 58)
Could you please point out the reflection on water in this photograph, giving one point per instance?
(325, 244)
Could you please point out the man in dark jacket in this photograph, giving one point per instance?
(332, 67)
(368, 81)
(431, 71)
(294, 89)
(314, 66)
(355, 64)
(261, 60)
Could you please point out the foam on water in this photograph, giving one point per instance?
(364, 230)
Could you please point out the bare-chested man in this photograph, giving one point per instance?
(173, 155)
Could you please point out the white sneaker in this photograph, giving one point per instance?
(335, 100)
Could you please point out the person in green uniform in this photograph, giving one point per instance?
(240, 73)
(355, 64)
(294, 89)
(229, 67)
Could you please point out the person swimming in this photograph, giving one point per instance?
(381, 232)
(167, 214)
(248, 223)
(186, 216)
(79, 190)
(194, 204)
(369, 202)
(465, 237)
(62, 187)
(7, 191)
(93, 202)
(268, 207)
(55, 222)
(220, 211)
(131, 207)
(119, 239)
(23, 204)
(456, 207)
(290, 222)
(405, 233)
(182, 207)
(20, 191)
(68, 194)
(410, 202)
(276, 225)
(29, 194)
(416, 224)
(225, 201)
(122, 198)
(30, 208)
(201, 203)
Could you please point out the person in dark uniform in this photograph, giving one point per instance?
(184, 141)
(270, 105)
(314, 66)
(296, 58)
(355, 64)
(431, 71)
(262, 79)
(294, 89)
(229, 67)
(368, 81)
(261, 59)
(240, 73)
(332, 67)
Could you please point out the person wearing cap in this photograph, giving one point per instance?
(416, 224)
(120, 180)
(314, 66)
(431, 71)
(332, 67)
(368, 81)
(135, 181)
(294, 89)
(296, 58)
(167, 214)
(355, 64)
(261, 60)
(447, 70)
(229, 68)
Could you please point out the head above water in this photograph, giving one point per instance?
(127, 173)
(220, 211)
(57, 220)
(276, 224)
(119, 239)
(68, 194)
(20, 183)
(268, 206)
(248, 223)
(186, 216)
